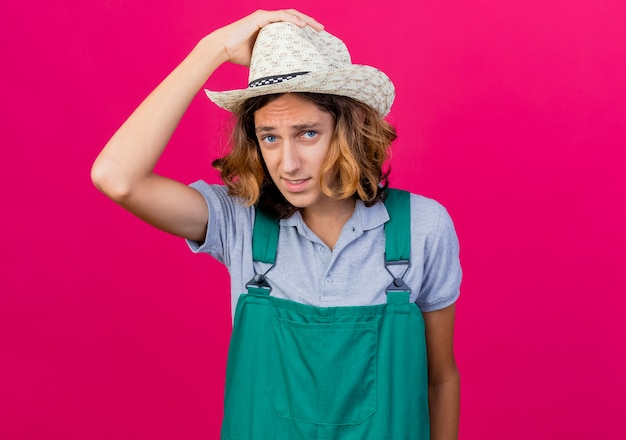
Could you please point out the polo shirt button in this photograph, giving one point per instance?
(329, 280)
(320, 249)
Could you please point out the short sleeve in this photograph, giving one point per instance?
(442, 269)
(229, 223)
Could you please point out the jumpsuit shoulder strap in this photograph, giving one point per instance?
(265, 237)
(398, 243)
(264, 244)
(398, 228)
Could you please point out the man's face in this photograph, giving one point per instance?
(294, 136)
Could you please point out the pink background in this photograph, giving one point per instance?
(511, 113)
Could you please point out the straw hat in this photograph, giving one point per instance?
(287, 58)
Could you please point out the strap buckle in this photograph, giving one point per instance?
(398, 284)
(259, 281)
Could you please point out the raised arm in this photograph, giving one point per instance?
(124, 170)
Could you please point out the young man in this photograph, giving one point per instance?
(343, 290)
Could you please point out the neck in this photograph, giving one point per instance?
(328, 221)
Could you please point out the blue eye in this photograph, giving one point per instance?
(269, 138)
(310, 134)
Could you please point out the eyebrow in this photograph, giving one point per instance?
(296, 127)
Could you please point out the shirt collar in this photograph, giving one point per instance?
(363, 218)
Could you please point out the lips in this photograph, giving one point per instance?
(295, 185)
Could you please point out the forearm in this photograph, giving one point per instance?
(443, 402)
(134, 150)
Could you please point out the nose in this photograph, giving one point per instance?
(290, 161)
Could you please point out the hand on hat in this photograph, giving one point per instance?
(238, 38)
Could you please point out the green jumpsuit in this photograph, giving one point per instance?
(343, 373)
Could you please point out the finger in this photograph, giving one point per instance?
(307, 19)
(289, 15)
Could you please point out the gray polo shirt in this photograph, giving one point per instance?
(351, 274)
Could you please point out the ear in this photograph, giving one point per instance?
(359, 114)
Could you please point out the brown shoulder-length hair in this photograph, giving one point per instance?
(355, 159)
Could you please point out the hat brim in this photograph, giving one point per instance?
(363, 83)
